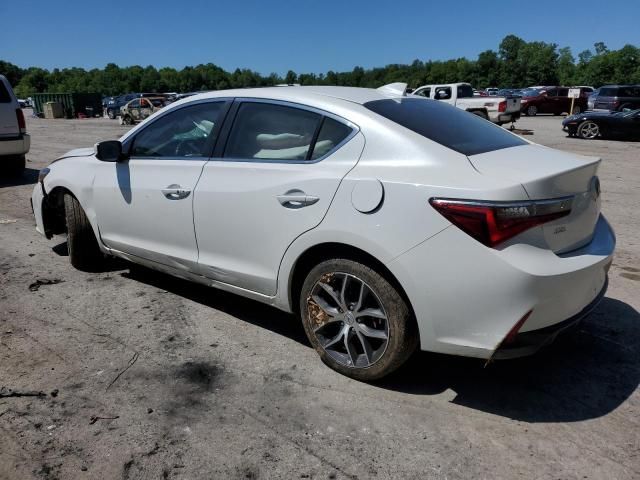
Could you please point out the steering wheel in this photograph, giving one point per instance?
(188, 148)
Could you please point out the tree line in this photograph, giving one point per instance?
(516, 63)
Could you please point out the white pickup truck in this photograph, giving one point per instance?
(499, 110)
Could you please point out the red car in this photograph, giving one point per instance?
(553, 100)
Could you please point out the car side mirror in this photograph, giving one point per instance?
(109, 151)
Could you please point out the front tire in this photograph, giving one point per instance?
(84, 252)
(111, 113)
(356, 320)
(531, 111)
(588, 130)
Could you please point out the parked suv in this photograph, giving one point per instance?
(617, 98)
(553, 100)
(14, 140)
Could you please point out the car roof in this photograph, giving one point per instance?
(302, 94)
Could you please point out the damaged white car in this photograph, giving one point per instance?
(387, 222)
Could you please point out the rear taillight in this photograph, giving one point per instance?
(502, 106)
(21, 123)
(492, 223)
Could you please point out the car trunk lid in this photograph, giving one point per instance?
(548, 174)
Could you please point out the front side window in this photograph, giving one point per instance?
(185, 132)
(449, 126)
(563, 92)
(271, 132)
(134, 104)
(552, 92)
(426, 92)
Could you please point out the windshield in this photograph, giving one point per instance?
(531, 93)
(449, 126)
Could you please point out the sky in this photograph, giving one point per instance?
(304, 36)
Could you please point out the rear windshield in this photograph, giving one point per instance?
(4, 93)
(449, 126)
(608, 92)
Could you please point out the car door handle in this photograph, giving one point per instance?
(175, 192)
(296, 199)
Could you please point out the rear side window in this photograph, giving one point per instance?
(271, 132)
(465, 91)
(5, 97)
(449, 126)
(331, 134)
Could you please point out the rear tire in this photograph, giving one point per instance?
(14, 165)
(84, 252)
(364, 330)
(480, 114)
(111, 114)
(127, 120)
(576, 110)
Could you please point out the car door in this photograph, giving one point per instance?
(274, 180)
(548, 101)
(146, 109)
(563, 103)
(144, 205)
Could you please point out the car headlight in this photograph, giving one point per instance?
(43, 173)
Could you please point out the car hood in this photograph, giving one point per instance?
(594, 114)
(77, 152)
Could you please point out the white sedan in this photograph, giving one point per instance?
(387, 222)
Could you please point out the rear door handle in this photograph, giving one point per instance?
(296, 199)
(175, 192)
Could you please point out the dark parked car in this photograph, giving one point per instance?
(553, 100)
(617, 98)
(590, 125)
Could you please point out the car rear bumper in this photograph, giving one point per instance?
(467, 297)
(15, 145)
(507, 117)
(530, 342)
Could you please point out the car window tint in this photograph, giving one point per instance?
(134, 104)
(563, 92)
(608, 92)
(424, 93)
(271, 132)
(331, 134)
(4, 94)
(552, 92)
(449, 126)
(185, 132)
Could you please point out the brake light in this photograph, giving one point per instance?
(502, 106)
(21, 123)
(492, 223)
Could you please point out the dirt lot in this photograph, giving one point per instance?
(146, 376)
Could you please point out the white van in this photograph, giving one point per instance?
(14, 139)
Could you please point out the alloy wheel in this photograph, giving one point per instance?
(532, 110)
(589, 130)
(348, 320)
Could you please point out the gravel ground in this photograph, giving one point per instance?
(146, 376)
